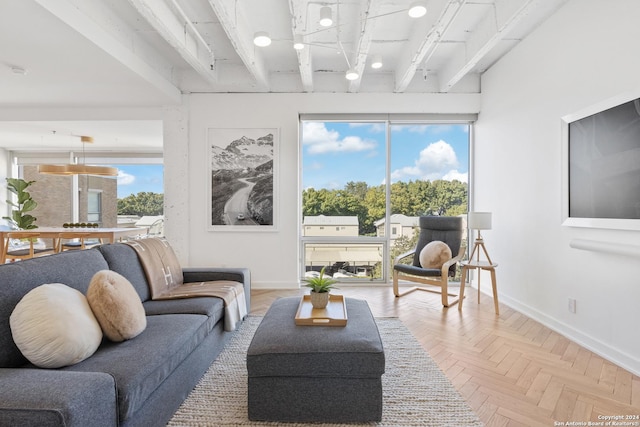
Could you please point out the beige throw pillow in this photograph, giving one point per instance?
(53, 326)
(116, 305)
(434, 254)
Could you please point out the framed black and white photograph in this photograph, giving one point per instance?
(242, 172)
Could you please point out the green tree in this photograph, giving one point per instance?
(357, 189)
(413, 198)
(141, 204)
(376, 206)
(420, 193)
(400, 200)
(316, 202)
(449, 195)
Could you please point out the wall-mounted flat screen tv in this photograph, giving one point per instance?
(602, 166)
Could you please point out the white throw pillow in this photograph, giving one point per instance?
(434, 254)
(116, 305)
(53, 326)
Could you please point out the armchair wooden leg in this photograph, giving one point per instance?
(462, 285)
(495, 291)
(444, 293)
(396, 290)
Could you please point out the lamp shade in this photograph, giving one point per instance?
(74, 169)
(479, 220)
(54, 170)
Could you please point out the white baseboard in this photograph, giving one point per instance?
(624, 360)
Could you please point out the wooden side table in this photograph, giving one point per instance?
(481, 265)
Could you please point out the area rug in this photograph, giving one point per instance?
(416, 392)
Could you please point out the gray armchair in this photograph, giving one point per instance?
(446, 229)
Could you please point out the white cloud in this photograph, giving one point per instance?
(316, 132)
(125, 178)
(422, 129)
(410, 128)
(454, 174)
(373, 127)
(320, 140)
(437, 161)
(314, 166)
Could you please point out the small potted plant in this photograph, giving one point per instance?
(320, 287)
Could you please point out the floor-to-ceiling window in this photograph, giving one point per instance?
(366, 182)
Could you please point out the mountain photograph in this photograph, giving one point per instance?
(242, 177)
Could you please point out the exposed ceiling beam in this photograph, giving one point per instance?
(71, 14)
(369, 11)
(298, 11)
(178, 31)
(406, 69)
(235, 25)
(494, 27)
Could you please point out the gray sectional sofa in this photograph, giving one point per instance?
(139, 382)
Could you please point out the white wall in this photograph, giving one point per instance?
(272, 256)
(585, 53)
(5, 164)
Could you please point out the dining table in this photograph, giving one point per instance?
(107, 235)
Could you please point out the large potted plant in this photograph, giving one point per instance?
(19, 216)
(320, 288)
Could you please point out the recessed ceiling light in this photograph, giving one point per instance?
(376, 62)
(417, 9)
(298, 44)
(351, 74)
(325, 16)
(262, 39)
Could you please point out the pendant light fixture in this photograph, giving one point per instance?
(261, 39)
(417, 9)
(80, 168)
(351, 74)
(376, 62)
(325, 16)
(298, 43)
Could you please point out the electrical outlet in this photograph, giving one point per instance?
(572, 305)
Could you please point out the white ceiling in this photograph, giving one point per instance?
(144, 53)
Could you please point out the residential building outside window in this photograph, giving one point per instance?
(94, 207)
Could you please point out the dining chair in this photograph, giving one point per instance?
(22, 245)
(75, 241)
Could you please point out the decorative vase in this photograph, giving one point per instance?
(319, 299)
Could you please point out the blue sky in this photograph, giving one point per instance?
(134, 179)
(335, 153)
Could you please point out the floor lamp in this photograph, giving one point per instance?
(479, 221)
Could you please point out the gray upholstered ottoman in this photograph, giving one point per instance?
(315, 373)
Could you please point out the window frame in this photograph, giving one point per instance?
(389, 120)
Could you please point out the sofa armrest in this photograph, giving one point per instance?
(242, 275)
(46, 397)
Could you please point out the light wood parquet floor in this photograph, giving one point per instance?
(511, 370)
